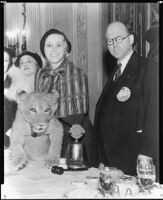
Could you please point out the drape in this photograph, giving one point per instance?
(13, 19)
(71, 18)
(43, 16)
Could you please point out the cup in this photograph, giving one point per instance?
(107, 181)
(145, 171)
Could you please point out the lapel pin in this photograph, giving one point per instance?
(124, 94)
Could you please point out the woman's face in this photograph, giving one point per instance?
(55, 48)
(28, 65)
(6, 61)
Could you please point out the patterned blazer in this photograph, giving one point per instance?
(71, 83)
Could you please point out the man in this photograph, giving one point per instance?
(119, 111)
(150, 139)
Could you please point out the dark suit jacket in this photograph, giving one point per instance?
(150, 139)
(116, 123)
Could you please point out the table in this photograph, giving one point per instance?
(36, 181)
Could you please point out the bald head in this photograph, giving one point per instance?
(116, 27)
(119, 40)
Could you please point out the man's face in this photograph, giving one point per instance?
(119, 49)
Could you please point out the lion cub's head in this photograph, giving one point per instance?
(37, 109)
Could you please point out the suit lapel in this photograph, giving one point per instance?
(109, 81)
(128, 73)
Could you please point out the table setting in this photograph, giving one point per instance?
(37, 181)
(72, 178)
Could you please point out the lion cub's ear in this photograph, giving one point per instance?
(20, 95)
(54, 98)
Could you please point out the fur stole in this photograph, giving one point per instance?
(19, 83)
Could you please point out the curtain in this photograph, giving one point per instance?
(13, 20)
(43, 16)
(71, 18)
(33, 26)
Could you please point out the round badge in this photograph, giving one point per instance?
(124, 94)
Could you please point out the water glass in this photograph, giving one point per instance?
(146, 171)
(106, 180)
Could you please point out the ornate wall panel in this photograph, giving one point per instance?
(136, 17)
(13, 24)
(152, 18)
(40, 17)
(80, 35)
(44, 16)
(33, 26)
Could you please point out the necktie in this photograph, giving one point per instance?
(118, 72)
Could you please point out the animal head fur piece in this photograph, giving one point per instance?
(18, 83)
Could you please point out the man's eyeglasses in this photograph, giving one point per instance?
(118, 39)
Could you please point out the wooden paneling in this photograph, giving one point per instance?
(44, 16)
(138, 18)
(94, 34)
(80, 57)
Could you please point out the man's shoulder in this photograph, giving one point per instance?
(141, 60)
(139, 57)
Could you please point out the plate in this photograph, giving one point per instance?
(78, 183)
(83, 193)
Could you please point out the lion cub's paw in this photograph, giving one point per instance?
(19, 163)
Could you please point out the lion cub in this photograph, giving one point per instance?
(36, 133)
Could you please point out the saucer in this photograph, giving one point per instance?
(83, 193)
(78, 183)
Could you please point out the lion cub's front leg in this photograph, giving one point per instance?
(56, 137)
(19, 157)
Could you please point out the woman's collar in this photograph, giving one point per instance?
(59, 70)
(49, 67)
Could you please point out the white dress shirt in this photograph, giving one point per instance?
(124, 61)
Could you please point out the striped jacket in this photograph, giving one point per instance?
(71, 83)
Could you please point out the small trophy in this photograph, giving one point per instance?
(76, 155)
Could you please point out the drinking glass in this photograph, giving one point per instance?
(146, 172)
(106, 180)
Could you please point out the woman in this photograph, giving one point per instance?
(23, 74)
(9, 105)
(22, 77)
(71, 83)
(28, 63)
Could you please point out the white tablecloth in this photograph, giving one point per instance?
(37, 181)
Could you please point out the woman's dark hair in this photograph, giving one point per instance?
(35, 56)
(50, 32)
(11, 55)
